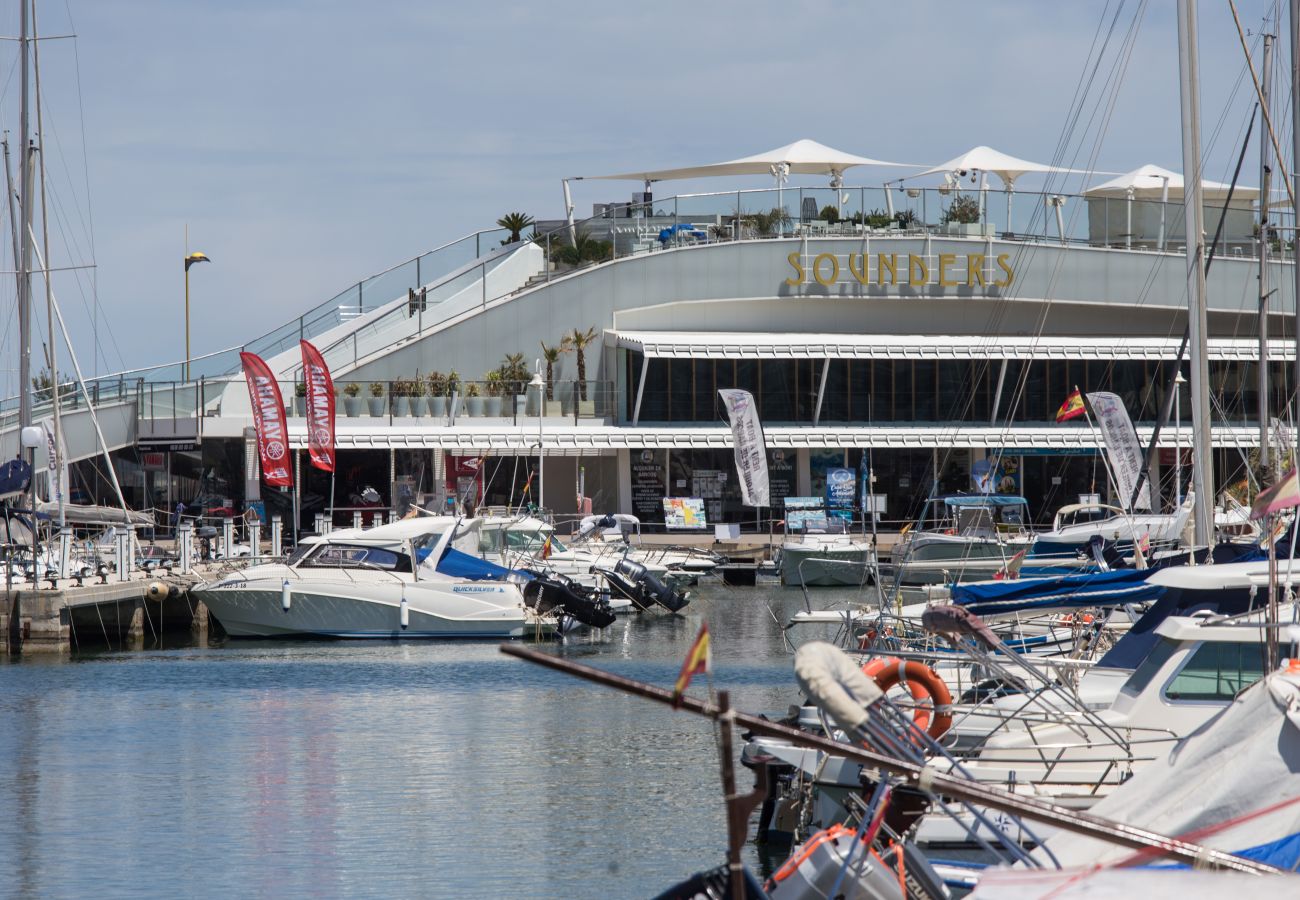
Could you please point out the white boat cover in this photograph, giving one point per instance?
(85, 514)
(1234, 784)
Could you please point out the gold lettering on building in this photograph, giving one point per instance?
(918, 272)
(887, 261)
(975, 269)
(798, 270)
(860, 274)
(817, 269)
(1005, 265)
(946, 260)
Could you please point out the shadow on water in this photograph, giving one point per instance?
(327, 767)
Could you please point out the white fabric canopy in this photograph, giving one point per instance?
(1148, 183)
(803, 157)
(986, 159)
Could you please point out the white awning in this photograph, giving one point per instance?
(763, 345)
(601, 440)
(803, 157)
(986, 159)
(1148, 183)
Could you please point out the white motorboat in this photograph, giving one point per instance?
(818, 550)
(1076, 524)
(384, 582)
(963, 537)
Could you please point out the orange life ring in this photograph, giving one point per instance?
(923, 683)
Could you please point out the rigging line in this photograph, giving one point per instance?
(1259, 94)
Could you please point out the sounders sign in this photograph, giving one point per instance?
(907, 269)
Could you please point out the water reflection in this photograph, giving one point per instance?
(441, 769)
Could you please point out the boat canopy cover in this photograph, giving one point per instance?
(458, 564)
(1190, 791)
(15, 476)
(985, 500)
(1068, 591)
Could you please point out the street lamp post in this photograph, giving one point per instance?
(538, 384)
(190, 259)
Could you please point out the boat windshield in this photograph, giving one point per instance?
(349, 557)
(531, 541)
(1155, 661)
(975, 514)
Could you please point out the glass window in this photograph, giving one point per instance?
(335, 555)
(1217, 671)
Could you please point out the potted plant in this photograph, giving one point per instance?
(400, 397)
(415, 389)
(493, 385)
(514, 380)
(552, 356)
(376, 401)
(473, 402)
(300, 399)
(962, 216)
(455, 393)
(514, 223)
(351, 400)
(437, 393)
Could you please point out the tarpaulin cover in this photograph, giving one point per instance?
(458, 564)
(1024, 594)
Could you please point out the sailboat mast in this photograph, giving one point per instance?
(25, 245)
(1197, 320)
(1295, 182)
(1265, 171)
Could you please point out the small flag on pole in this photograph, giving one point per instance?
(1012, 567)
(1072, 408)
(546, 548)
(1283, 495)
(698, 659)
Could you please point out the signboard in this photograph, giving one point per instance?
(684, 512)
(153, 461)
(649, 483)
(780, 474)
(840, 488)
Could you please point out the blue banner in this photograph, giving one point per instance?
(840, 488)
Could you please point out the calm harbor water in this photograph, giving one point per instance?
(377, 769)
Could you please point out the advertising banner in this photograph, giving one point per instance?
(1121, 446)
(684, 512)
(269, 419)
(320, 408)
(751, 448)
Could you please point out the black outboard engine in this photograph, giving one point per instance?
(631, 580)
(549, 593)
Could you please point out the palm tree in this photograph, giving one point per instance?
(514, 373)
(514, 223)
(579, 340)
(552, 357)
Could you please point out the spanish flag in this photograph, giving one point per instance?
(1072, 408)
(698, 659)
(546, 548)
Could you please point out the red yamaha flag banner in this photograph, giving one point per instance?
(268, 417)
(320, 408)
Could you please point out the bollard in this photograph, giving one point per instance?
(185, 547)
(380, 518)
(227, 538)
(356, 518)
(255, 538)
(320, 523)
(277, 537)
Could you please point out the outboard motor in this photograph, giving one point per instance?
(632, 580)
(548, 593)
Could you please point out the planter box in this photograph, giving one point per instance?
(419, 407)
(352, 407)
(376, 405)
(437, 406)
(300, 407)
(492, 407)
(401, 407)
(474, 406)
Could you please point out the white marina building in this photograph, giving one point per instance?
(909, 329)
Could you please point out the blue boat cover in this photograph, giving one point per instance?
(462, 565)
(984, 500)
(1037, 594)
(15, 475)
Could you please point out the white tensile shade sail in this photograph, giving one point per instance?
(803, 157)
(1155, 183)
(985, 159)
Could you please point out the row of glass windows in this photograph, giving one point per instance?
(927, 390)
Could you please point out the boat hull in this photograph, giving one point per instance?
(825, 567)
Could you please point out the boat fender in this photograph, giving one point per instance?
(923, 683)
(286, 595)
(404, 613)
(831, 679)
(157, 591)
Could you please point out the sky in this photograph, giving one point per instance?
(307, 145)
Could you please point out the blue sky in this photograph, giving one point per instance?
(309, 144)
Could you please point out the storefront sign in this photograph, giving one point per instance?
(780, 475)
(840, 488)
(684, 512)
(649, 484)
(905, 269)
